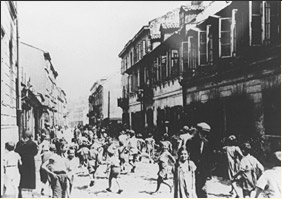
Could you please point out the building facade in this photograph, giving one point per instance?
(103, 109)
(147, 78)
(9, 76)
(234, 83)
(221, 65)
(77, 110)
(43, 102)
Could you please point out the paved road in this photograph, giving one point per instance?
(135, 185)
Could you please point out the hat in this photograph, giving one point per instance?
(232, 137)
(27, 134)
(185, 129)
(277, 155)
(204, 126)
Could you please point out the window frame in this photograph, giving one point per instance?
(199, 48)
(220, 37)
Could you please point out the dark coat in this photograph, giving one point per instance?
(201, 159)
(27, 151)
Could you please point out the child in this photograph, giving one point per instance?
(247, 171)
(150, 146)
(234, 155)
(11, 164)
(184, 176)
(123, 156)
(57, 171)
(163, 162)
(94, 162)
(114, 166)
(72, 164)
(43, 174)
(270, 181)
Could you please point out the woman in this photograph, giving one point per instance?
(184, 176)
(27, 150)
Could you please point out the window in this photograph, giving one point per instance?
(209, 45)
(155, 71)
(174, 63)
(131, 59)
(144, 48)
(273, 22)
(158, 69)
(256, 17)
(185, 56)
(192, 53)
(202, 42)
(227, 35)
(2, 32)
(163, 67)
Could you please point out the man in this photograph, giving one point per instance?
(199, 150)
(270, 181)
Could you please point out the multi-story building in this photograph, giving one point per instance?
(9, 75)
(61, 114)
(141, 80)
(42, 100)
(234, 82)
(103, 109)
(224, 62)
(77, 110)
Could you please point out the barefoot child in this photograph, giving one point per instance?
(114, 167)
(11, 164)
(184, 176)
(163, 162)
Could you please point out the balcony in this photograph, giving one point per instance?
(123, 103)
(145, 94)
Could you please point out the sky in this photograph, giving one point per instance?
(85, 38)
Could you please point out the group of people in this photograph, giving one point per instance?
(185, 155)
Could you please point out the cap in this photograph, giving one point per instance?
(232, 137)
(185, 129)
(204, 126)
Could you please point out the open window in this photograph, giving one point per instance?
(256, 16)
(174, 62)
(192, 53)
(185, 56)
(202, 47)
(163, 66)
(209, 45)
(227, 35)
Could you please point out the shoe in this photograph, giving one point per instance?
(109, 190)
(91, 183)
(120, 191)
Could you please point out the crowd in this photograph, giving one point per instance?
(185, 155)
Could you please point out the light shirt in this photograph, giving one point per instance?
(270, 182)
